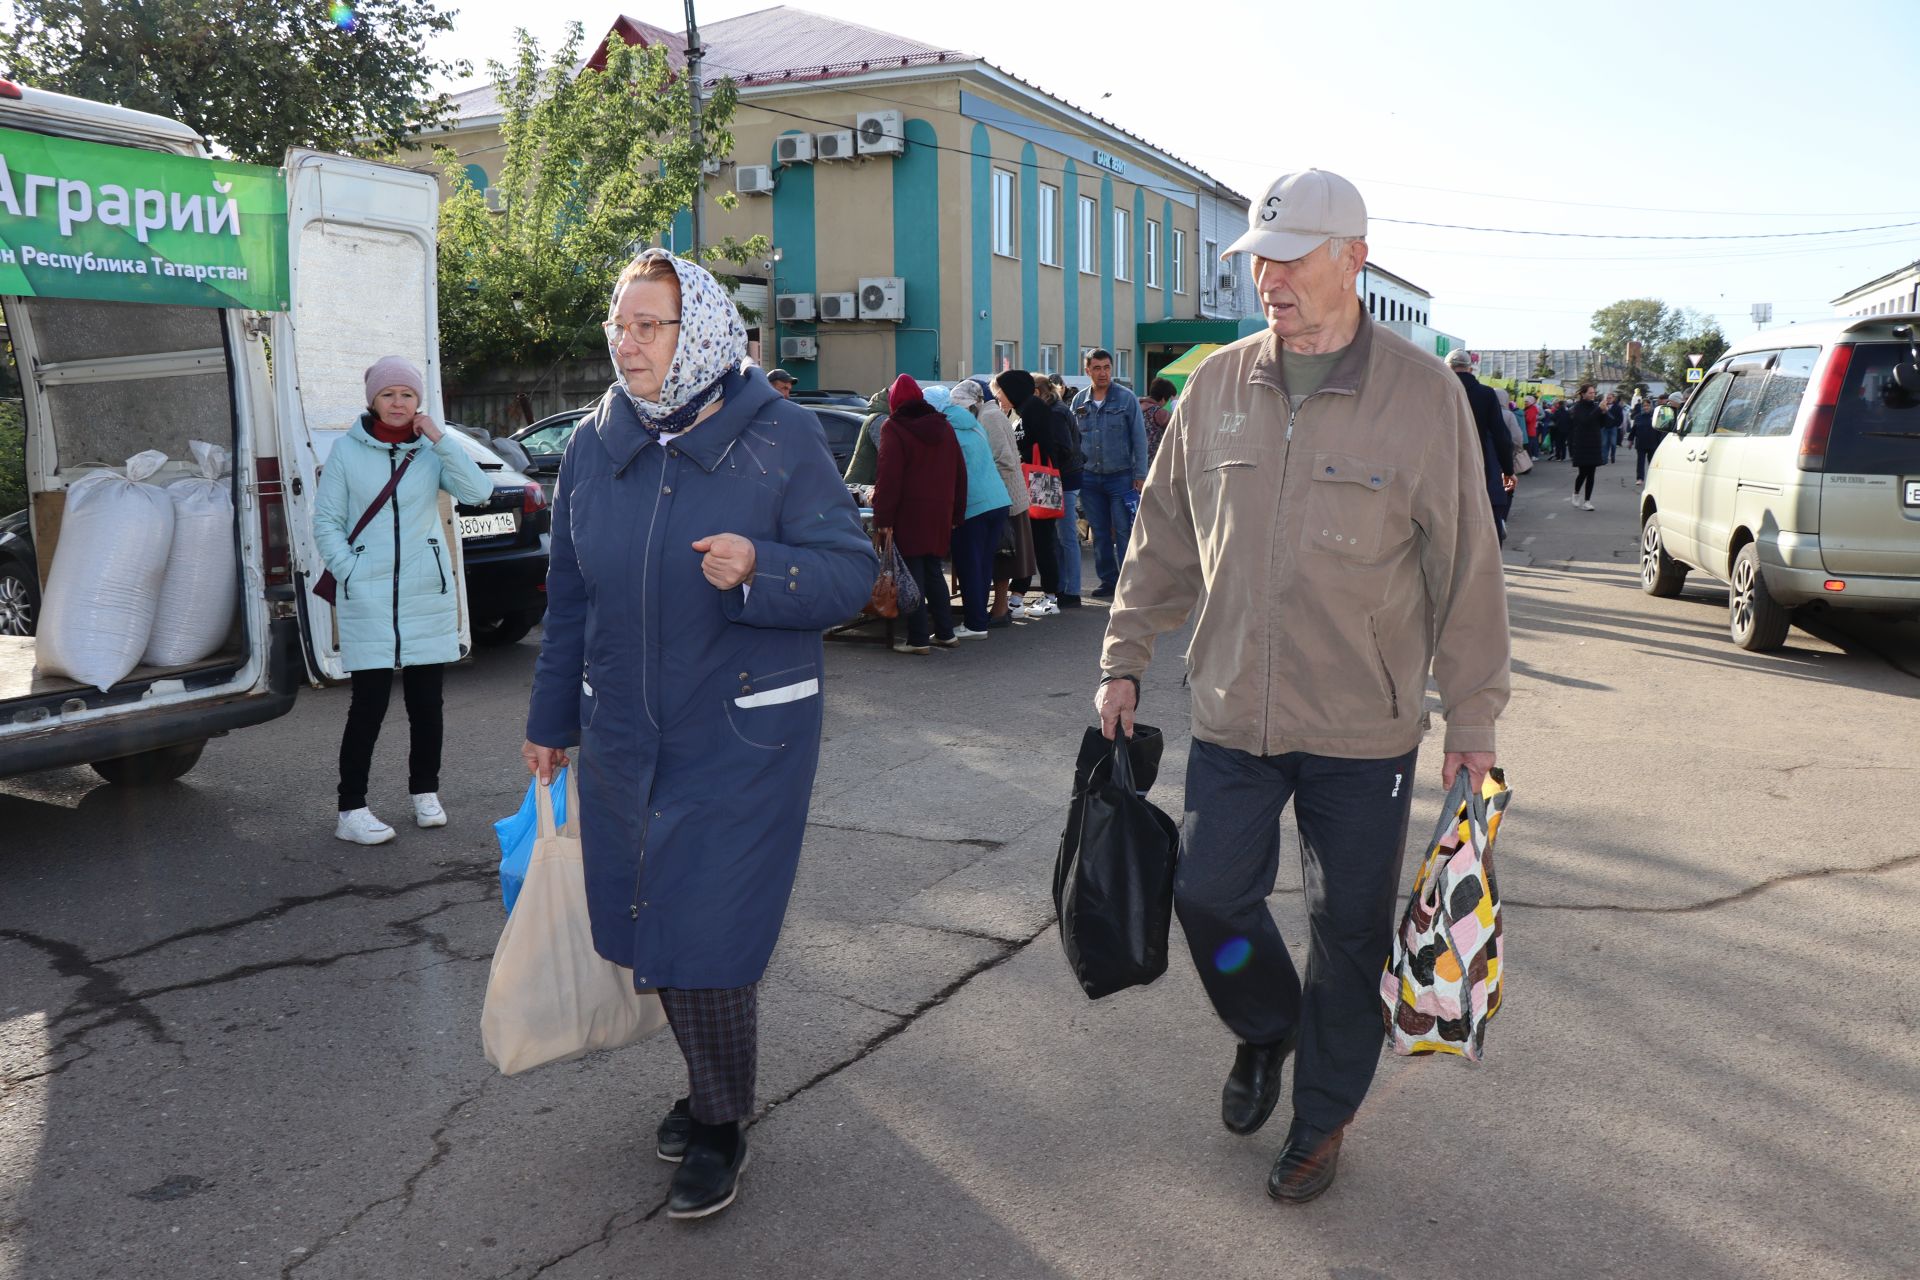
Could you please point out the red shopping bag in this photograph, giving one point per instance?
(1046, 497)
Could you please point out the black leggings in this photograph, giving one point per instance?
(420, 686)
(1584, 476)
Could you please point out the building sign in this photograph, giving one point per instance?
(1105, 161)
(86, 220)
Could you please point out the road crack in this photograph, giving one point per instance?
(1726, 900)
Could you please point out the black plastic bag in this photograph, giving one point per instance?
(1113, 877)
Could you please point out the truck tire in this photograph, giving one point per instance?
(151, 768)
(1757, 622)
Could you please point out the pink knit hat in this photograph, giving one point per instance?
(395, 371)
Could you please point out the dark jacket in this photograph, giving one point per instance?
(697, 711)
(866, 449)
(1049, 428)
(920, 484)
(1583, 434)
(1645, 438)
(1496, 442)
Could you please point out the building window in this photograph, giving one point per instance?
(1049, 225)
(1177, 260)
(1006, 355)
(1122, 245)
(1208, 268)
(1003, 213)
(1089, 235)
(1084, 353)
(1123, 364)
(1153, 254)
(1050, 358)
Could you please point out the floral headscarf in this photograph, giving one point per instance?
(712, 343)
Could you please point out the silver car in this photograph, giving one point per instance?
(1793, 475)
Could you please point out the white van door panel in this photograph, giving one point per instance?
(361, 249)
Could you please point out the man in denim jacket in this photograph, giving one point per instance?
(1113, 438)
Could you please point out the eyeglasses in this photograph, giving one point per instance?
(641, 331)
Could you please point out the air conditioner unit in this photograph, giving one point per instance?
(834, 146)
(799, 349)
(883, 298)
(838, 306)
(1226, 277)
(753, 180)
(496, 199)
(794, 306)
(882, 133)
(794, 148)
(711, 166)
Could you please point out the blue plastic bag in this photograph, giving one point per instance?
(516, 833)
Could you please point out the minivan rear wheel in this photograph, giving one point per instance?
(151, 768)
(1757, 622)
(1660, 574)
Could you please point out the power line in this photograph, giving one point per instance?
(1613, 235)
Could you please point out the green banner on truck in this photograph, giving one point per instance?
(86, 220)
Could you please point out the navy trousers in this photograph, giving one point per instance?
(973, 546)
(1352, 817)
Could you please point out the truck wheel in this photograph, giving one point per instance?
(1660, 574)
(1756, 620)
(151, 768)
(508, 630)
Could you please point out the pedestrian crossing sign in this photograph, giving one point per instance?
(1694, 375)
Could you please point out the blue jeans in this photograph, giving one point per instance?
(1609, 442)
(1110, 501)
(1066, 533)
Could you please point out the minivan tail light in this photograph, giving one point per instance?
(273, 522)
(1818, 427)
(8, 89)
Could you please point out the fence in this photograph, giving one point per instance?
(505, 400)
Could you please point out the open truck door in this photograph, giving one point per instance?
(361, 250)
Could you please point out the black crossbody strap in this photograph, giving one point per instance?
(381, 500)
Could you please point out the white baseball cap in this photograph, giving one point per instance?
(1300, 212)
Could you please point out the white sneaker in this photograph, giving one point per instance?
(359, 826)
(901, 646)
(1018, 612)
(427, 811)
(1586, 506)
(1045, 607)
(1573, 499)
(967, 633)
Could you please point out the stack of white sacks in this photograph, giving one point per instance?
(141, 573)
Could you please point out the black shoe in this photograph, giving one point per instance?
(1102, 592)
(1067, 602)
(1306, 1165)
(1253, 1086)
(673, 1132)
(709, 1177)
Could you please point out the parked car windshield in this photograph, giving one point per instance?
(1876, 427)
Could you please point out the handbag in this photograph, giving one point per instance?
(1443, 983)
(550, 995)
(324, 586)
(884, 602)
(1522, 462)
(1046, 497)
(1113, 876)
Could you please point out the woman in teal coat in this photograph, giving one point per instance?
(396, 599)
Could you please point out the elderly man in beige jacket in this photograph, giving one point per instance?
(1320, 495)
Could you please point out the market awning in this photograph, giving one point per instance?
(1177, 372)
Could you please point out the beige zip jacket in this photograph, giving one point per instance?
(1336, 555)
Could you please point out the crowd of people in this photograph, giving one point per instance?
(950, 473)
(1589, 431)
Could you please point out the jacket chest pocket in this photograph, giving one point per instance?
(1353, 508)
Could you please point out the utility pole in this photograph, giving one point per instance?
(699, 148)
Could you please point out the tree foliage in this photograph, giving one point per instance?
(256, 78)
(1647, 321)
(1700, 335)
(1543, 367)
(597, 163)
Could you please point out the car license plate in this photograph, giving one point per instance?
(487, 526)
(1913, 493)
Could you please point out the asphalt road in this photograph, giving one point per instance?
(231, 1045)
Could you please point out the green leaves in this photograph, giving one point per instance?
(255, 78)
(597, 164)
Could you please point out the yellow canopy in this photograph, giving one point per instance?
(1177, 372)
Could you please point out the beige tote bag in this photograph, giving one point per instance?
(550, 995)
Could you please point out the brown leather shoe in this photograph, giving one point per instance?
(1306, 1165)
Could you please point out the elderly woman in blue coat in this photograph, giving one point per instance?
(702, 540)
(395, 595)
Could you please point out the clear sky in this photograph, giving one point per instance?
(1670, 118)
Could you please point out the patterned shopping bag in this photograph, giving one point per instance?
(1443, 982)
